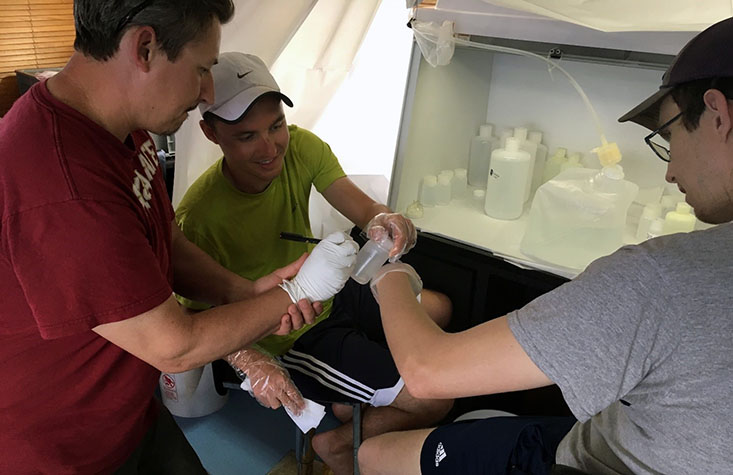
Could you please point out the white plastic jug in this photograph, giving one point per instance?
(191, 393)
(578, 216)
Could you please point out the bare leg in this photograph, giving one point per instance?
(438, 307)
(335, 447)
(393, 453)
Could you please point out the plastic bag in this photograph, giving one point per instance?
(578, 216)
(435, 41)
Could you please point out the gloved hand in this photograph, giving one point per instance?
(325, 271)
(270, 382)
(399, 228)
(413, 277)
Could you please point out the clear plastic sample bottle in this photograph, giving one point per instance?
(552, 167)
(459, 184)
(505, 190)
(428, 191)
(480, 154)
(540, 159)
(520, 133)
(370, 258)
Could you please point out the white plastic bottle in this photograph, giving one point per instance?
(443, 190)
(479, 199)
(681, 220)
(520, 133)
(656, 228)
(506, 133)
(669, 203)
(650, 212)
(552, 167)
(540, 159)
(428, 191)
(480, 153)
(370, 258)
(459, 184)
(572, 162)
(508, 181)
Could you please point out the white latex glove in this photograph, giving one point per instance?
(414, 278)
(399, 228)
(326, 270)
(271, 384)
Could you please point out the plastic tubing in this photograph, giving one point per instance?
(503, 49)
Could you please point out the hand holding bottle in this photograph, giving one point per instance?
(398, 228)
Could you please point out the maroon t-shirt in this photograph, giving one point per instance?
(85, 239)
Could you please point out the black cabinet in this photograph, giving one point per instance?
(481, 287)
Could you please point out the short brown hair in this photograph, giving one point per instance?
(100, 24)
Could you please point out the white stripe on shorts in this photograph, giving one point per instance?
(328, 376)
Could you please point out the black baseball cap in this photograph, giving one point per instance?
(705, 56)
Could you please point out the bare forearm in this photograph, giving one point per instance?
(411, 334)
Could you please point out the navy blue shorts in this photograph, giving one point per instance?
(345, 358)
(496, 445)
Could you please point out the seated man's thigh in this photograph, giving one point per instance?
(494, 445)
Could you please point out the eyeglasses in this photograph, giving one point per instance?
(131, 14)
(660, 150)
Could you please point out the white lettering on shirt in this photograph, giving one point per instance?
(141, 185)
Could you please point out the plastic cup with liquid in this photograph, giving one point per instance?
(370, 258)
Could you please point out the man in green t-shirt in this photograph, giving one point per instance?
(235, 212)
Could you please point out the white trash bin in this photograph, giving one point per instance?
(191, 393)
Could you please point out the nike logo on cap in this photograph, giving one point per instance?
(240, 76)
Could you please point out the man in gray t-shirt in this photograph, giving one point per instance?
(641, 343)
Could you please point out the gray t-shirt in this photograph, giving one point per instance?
(641, 345)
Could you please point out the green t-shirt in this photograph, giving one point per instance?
(241, 230)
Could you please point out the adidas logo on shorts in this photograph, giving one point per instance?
(439, 454)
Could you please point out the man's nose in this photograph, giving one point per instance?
(206, 94)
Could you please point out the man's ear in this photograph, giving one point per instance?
(208, 131)
(145, 47)
(718, 104)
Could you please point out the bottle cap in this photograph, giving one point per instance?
(512, 144)
(444, 179)
(460, 172)
(430, 180)
(479, 193)
(535, 136)
(656, 227)
(560, 152)
(520, 133)
(683, 208)
(448, 173)
(652, 210)
(485, 130)
(608, 153)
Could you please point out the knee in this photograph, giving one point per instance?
(440, 308)
(369, 454)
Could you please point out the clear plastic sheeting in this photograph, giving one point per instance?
(618, 15)
(435, 41)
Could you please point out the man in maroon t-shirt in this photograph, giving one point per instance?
(90, 254)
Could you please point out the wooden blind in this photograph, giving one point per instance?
(34, 34)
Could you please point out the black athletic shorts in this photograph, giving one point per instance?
(496, 445)
(345, 358)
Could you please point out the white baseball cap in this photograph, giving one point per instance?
(239, 79)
